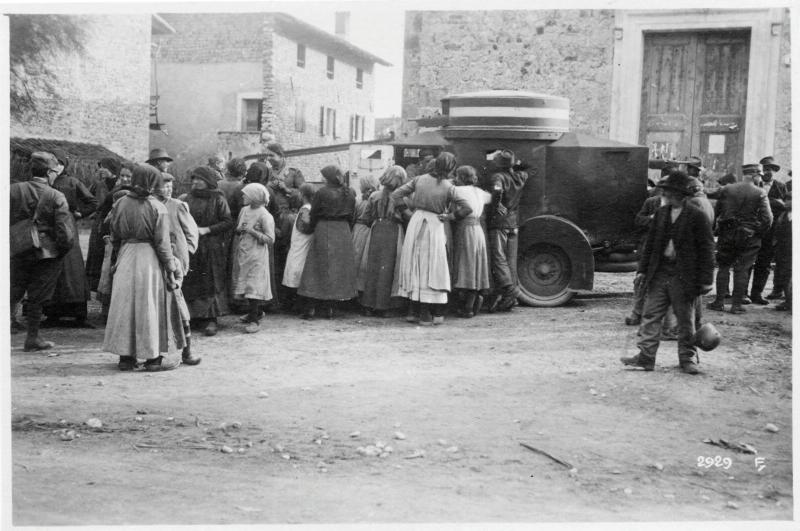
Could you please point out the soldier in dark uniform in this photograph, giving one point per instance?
(743, 217)
(72, 288)
(506, 188)
(776, 195)
(31, 271)
(676, 267)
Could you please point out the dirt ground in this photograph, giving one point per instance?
(446, 408)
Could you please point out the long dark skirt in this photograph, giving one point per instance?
(94, 257)
(380, 288)
(72, 289)
(330, 272)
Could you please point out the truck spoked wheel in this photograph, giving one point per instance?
(544, 273)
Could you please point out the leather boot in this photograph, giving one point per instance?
(469, 305)
(476, 309)
(33, 342)
(186, 355)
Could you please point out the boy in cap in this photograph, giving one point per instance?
(33, 271)
(743, 217)
(676, 267)
(502, 224)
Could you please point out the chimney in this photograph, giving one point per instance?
(343, 24)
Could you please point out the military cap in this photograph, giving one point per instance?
(749, 169)
(769, 162)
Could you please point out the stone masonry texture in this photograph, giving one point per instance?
(103, 96)
(560, 52)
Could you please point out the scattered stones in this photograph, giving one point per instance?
(705, 498)
(732, 505)
(400, 436)
(226, 450)
(380, 444)
(68, 435)
(138, 419)
(515, 421)
(771, 428)
(593, 392)
(573, 471)
(53, 355)
(62, 422)
(441, 442)
(628, 491)
(236, 425)
(240, 450)
(249, 444)
(355, 435)
(286, 456)
(616, 472)
(94, 423)
(100, 383)
(369, 451)
(645, 398)
(602, 395)
(141, 412)
(169, 419)
(263, 394)
(388, 449)
(658, 466)
(452, 449)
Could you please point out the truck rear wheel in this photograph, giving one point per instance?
(544, 272)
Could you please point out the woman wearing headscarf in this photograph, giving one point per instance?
(204, 288)
(424, 272)
(367, 185)
(140, 323)
(470, 256)
(329, 274)
(298, 251)
(256, 230)
(108, 175)
(381, 259)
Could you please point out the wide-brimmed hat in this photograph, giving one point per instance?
(158, 154)
(769, 162)
(677, 181)
(750, 169)
(691, 162)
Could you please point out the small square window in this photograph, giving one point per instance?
(330, 67)
(301, 55)
(251, 114)
(359, 78)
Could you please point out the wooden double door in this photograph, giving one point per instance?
(694, 97)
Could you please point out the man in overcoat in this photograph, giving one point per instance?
(677, 266)
(743, 218)
(776, 195)
(32, 271)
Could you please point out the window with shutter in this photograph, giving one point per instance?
(322, 121)
(301, 55)
(331, 63)
(359, 78)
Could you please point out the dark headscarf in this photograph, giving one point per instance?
(112, 165)
(146, 180)
(205, 174)
(258, 172)
(394, 177)
(444, 165)
(333, 175)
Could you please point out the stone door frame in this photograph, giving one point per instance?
(762, 87)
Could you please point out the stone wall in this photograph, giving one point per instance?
(782, 150)
(213, 38)
(559, 52)
(103, 96)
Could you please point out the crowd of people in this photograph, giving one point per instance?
(752, 224)
(251, 239)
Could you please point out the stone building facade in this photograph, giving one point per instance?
(227, 83)
(102, 96)
(594, 58)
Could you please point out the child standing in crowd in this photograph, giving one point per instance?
(256, 229)
(367, 185)
(301, 240)
(471, 262)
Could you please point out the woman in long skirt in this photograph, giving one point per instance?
(140, 321)
(381, 259)
(300, 243)
(470, 260)
(329, 274)
(204, 287)
(424, 272)
(367, 185)
(256, 230)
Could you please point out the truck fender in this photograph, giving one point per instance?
(569, 237)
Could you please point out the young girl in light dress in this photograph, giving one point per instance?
(301, 239)
(256, 229)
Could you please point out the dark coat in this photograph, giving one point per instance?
(747, 204)
(694, 248)
(207, 266)
(776, 196)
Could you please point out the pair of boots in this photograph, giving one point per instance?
(33, 342)
(473, 301)
(253, 317)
